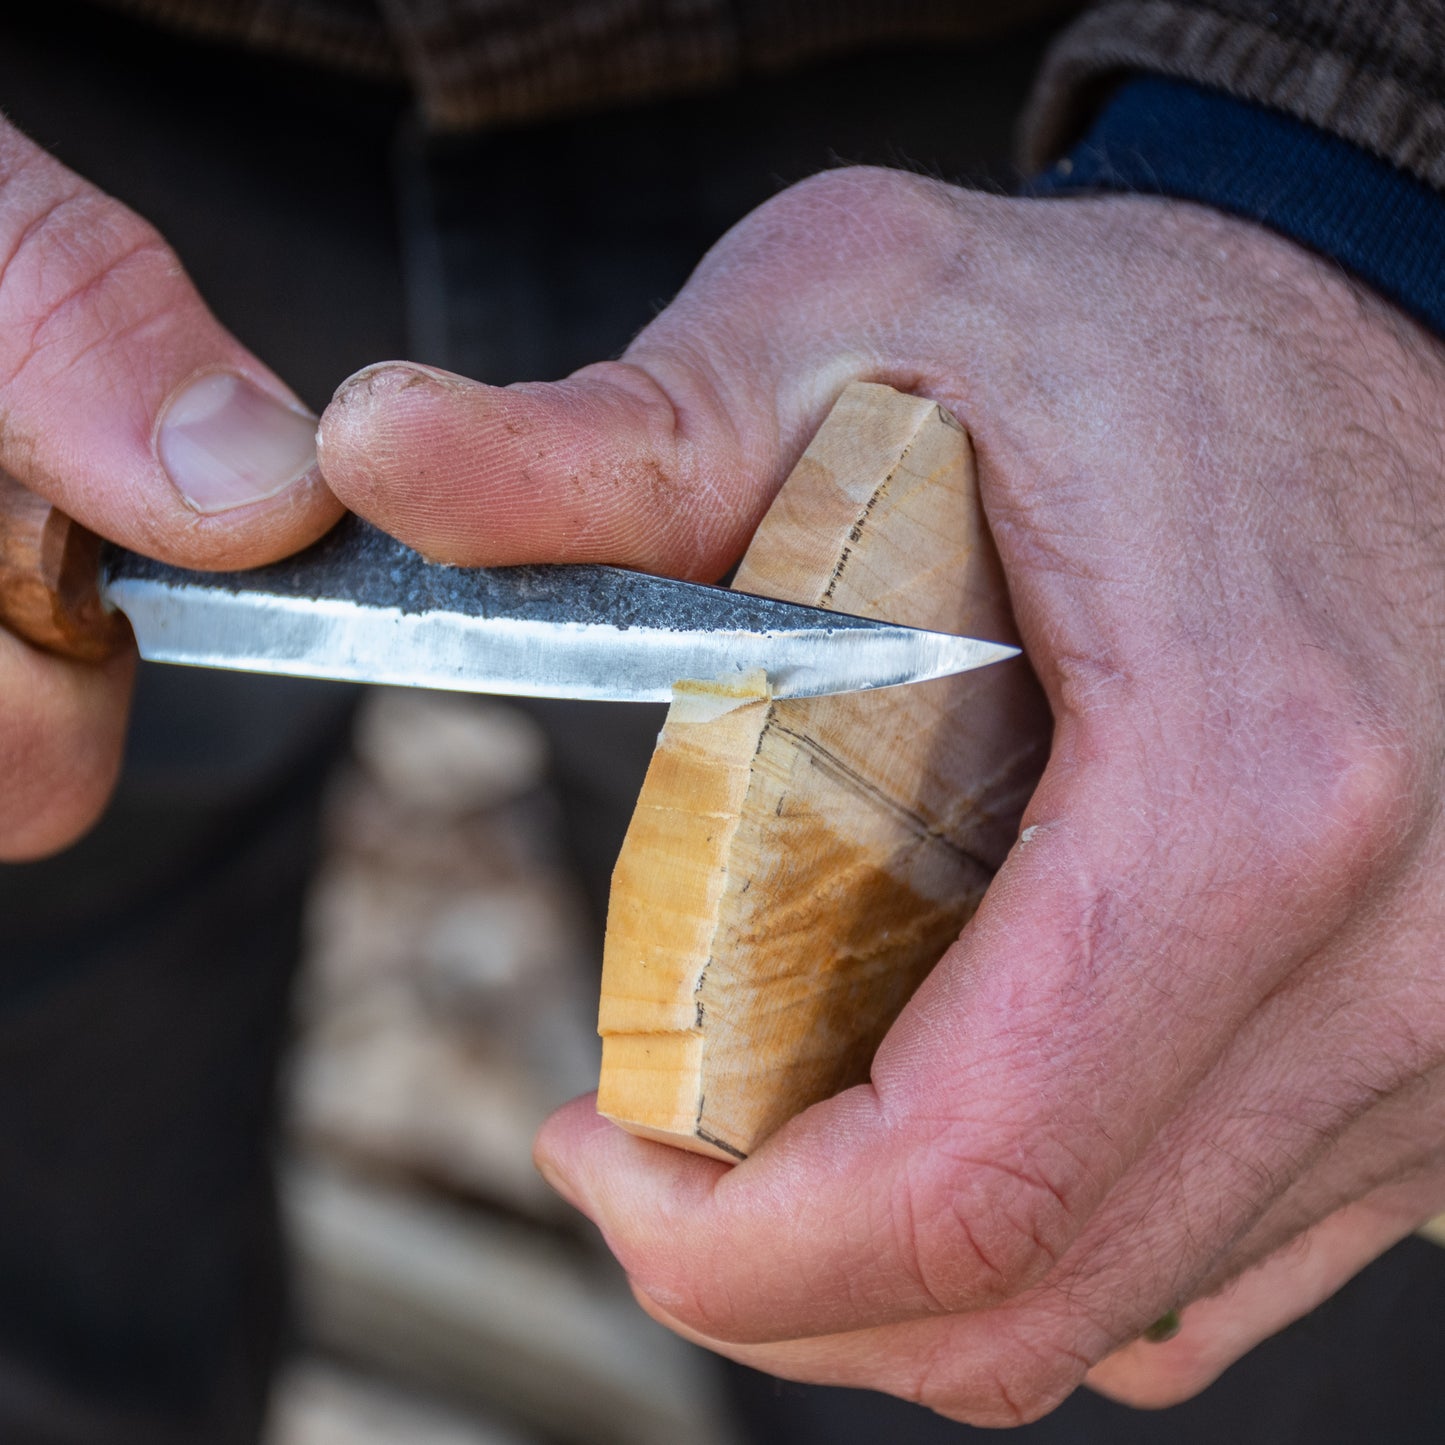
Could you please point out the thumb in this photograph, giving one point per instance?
(667, 459)
(611, 465)
(123, 400)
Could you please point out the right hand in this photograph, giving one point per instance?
(1195, 1033)
(124, 402)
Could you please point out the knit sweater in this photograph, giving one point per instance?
(478, 63)
(1324, 119)
(1369, 71)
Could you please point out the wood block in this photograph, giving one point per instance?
(795, 868)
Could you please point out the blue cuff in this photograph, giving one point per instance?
(1169, 138)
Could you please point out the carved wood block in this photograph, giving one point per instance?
(795, 868)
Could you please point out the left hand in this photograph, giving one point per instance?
(1189, 1052)
(127, 405)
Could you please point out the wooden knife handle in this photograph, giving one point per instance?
(50, 580)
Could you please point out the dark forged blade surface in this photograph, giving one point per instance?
(359, 606)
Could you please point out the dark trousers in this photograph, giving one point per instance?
(144, 975)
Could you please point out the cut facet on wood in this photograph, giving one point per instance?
(795, 868)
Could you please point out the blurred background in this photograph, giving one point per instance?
(447, 1002)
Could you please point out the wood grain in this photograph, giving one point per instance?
(795, 868)
(49, 579)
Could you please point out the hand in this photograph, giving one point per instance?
(1188, 1054)
(124, 402)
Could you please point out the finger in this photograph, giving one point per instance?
(975, 1369)
(1014, 1364)
(993, 1370)
(123, 400)
(607, 466)
(62, 728)
(667, 459)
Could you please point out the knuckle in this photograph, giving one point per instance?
(862, 192)
(1159, 1379)
(1337, 800)
(880, 227)
(1299, 798)
(55, 822)
(1022, 1378)
(974, 1230)
(48, 807)
(677, 1266)
(648, 404)
(1369, 794)
(654, 499)
(75, 267)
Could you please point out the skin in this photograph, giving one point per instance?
(99, 329)
(1189, 1052)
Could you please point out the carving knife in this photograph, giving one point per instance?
(359, 606)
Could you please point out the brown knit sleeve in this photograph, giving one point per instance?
(1369, 71)
(480, 63)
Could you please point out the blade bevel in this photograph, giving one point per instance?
(359, 606)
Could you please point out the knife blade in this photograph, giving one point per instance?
(360, 606)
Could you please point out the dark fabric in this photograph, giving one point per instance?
(144, 975)
(142, 1007)
(349, 35)
(1369, 71)
(1167, 138)
(480, 63)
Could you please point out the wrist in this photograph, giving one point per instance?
(1165, 137)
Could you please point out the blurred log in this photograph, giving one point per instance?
(319, 1402)
(484, 1310)
(447, 1006)
(795, 868)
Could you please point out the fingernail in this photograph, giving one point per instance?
(225, 443)
(384, 377)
